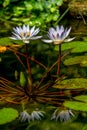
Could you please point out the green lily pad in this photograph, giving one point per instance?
(82, 60)
(79, 106)
(7, 115)
(74, 83)
(76, 46)
(5, 41)
(82, 98)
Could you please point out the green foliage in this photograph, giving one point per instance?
(75, 46)
(82, 98)
(32, 12)
(74, 83)
(78, 106)
(6, 3)
(5, 41)
(7, 115)
(82, 60)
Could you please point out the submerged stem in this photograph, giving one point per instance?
(59, 61)
(28, 69)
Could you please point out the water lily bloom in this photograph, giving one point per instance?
(64, 115)
(58, 35)
(25, 33)
(35, 115)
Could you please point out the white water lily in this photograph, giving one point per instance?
(25, 33)
(58, 35)
(35, 115)
(64, 115)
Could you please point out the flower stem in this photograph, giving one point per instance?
(28, 69)
(59, 61)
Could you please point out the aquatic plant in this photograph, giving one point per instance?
(26, 91)
(57, 36)
(37, 83)
(32, 12)
(25, 33)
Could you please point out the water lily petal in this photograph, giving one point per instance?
(32, 29)
(34, 38)
(24, 28)
(28, 29)
(35, 32)
(48, 41)
(69, 39)
(67, 32)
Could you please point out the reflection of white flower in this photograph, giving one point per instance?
(25, 34)
(24, 116)
(63, 115)
(58, 35)
(35, 115)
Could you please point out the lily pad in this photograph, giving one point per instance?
(7, 115)
(82, 98)
(79, 106)
(5, 41)
(74, 83)
(76, 46)
(82, 60)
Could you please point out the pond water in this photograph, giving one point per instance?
(68, 92)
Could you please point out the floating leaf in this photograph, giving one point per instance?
(83, 63)
(82, 60)
(79, 106)
(82, 98)
(74, 83)
(5, 41)
(7, 115)
(76, 46)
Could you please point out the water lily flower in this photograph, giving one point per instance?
(25, 33)
(58, 35)
(64, 115)
(35, 115)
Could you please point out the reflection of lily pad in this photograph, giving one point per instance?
(79, 106)
(7, 115)
(82, 60)
(72, 83)
(82, 98)
(76, 46)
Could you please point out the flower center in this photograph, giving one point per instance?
(57, 41)
(25, 34)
